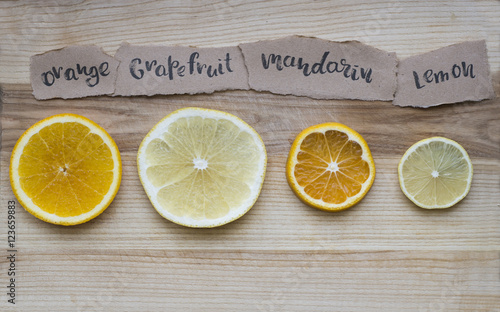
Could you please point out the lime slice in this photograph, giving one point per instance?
(435, 173)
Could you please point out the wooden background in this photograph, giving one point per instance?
(384, 254)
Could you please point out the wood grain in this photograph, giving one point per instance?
(405, 27)
(373, 247)
(213, 280)
(384, 254)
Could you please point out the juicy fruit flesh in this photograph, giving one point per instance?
(202, 167)
(330, 167)
(436, 174)
(66, 169)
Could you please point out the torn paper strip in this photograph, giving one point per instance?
(72, 72)
(321, 69)
(150, 70)
(456, 73)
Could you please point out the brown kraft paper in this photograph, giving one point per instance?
(72, 72)
(321, 69)
(150, 70)
(455, 73)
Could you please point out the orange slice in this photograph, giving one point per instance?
(330, 167)
(65, 169)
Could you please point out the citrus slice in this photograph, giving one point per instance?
(65, 169)
(201, 167)
(330, 167)
(435, 173)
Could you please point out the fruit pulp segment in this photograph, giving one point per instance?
(230, 159)
(66, 169)
(319, 153)
(451, 179)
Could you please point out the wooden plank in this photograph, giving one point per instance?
(385, 219)
(384, 254)
(405, 27)
(277, 226)
(211, 280)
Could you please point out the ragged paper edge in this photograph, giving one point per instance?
(353, 97)
(320, 97)
(491, 95)
(222, 88)
(98, 49)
